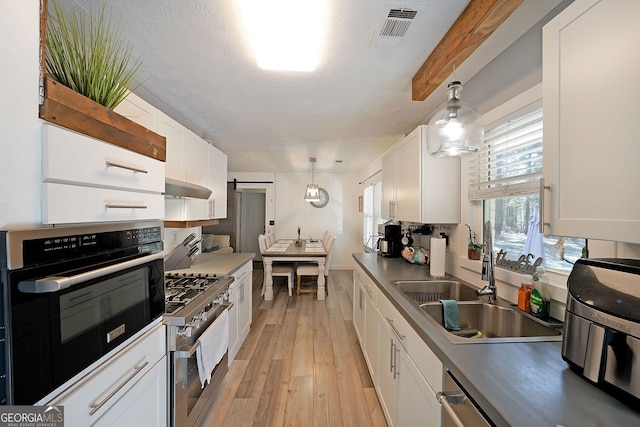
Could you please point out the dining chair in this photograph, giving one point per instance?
(277, 268)
(313, 269)
(325, 238)
(271, 238)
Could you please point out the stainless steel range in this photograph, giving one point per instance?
(193, 303)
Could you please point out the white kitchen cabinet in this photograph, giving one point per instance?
(131, 381)
(240, 315)
(590, 84)
(139, 111)
(407, 397)
(217, 183)
(110, 183)
(71, 204)
(389, 183)
(417, 404)
(359, 304)
(387, 379)
(196, 158)
(370, 349)
(405, 372)
(140, 406)
(193, 160)
(176, 136)
(418, 187)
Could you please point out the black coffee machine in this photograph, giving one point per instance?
(391, 245)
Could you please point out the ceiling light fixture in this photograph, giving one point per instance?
(285, 34)
(312, 194)
(457, 129)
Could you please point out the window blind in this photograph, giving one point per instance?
(510, 160)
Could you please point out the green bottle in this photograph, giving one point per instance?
(540, 301)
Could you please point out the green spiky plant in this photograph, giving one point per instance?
(88, 56)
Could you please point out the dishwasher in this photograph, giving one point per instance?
(458, 410)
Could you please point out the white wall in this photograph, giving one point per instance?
(20, 127)
(340, 216)
(286, 206)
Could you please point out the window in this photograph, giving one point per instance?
(504, 182)
(371, 206)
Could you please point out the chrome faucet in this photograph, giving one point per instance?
(490, 289)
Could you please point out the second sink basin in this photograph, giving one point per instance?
(495, 323)
(422, 291)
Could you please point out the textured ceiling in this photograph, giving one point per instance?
(198, 68)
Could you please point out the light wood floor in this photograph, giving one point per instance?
(301, 364)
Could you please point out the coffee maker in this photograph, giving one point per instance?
(390, 245)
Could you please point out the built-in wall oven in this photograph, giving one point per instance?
(70, 296)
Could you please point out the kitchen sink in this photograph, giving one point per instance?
(423, 291)
(481, 322)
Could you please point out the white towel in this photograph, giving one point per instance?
(213, 344)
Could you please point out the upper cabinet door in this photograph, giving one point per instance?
(389, 184)
(138, 111)
(418, 187)
(217, 183)
(591, 128)
(176, 135)
(408, 178)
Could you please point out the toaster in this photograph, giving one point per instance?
(601, 340)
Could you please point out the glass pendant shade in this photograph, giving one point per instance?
(457, 129)
(312, 194)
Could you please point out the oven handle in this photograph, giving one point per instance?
(54, 283)
(95, 407)
(188, 352)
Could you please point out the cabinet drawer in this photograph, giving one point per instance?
(62, 203)
(246, 268)
(111, 380)
(74, 158)
(425, 360)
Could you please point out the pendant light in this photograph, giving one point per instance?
(457, 129)
(312, 194)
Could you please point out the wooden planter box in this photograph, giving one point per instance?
(67, 108)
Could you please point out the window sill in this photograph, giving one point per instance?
(557, 285)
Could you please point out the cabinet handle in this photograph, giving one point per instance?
(96, 406)
(123, 206)
(121, 166)
(391, 367)
(360, 293)
(395, 331)
(212, 209)
(542, 188)
(395, 363)
(442, 398)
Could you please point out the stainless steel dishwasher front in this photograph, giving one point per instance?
(458, 410)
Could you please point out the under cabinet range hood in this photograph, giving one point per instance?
(176, 188)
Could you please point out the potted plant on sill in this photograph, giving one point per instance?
(474, 249)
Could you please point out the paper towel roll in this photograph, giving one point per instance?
(437, 256)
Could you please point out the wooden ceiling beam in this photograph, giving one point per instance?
(474, 25)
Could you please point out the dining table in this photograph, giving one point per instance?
(293, 250)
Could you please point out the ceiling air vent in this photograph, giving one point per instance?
(393, 26)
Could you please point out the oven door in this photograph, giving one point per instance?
(191, 400)
(61, 324)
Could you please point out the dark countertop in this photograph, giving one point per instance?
(518, 384)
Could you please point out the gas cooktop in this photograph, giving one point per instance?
(186, 290)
